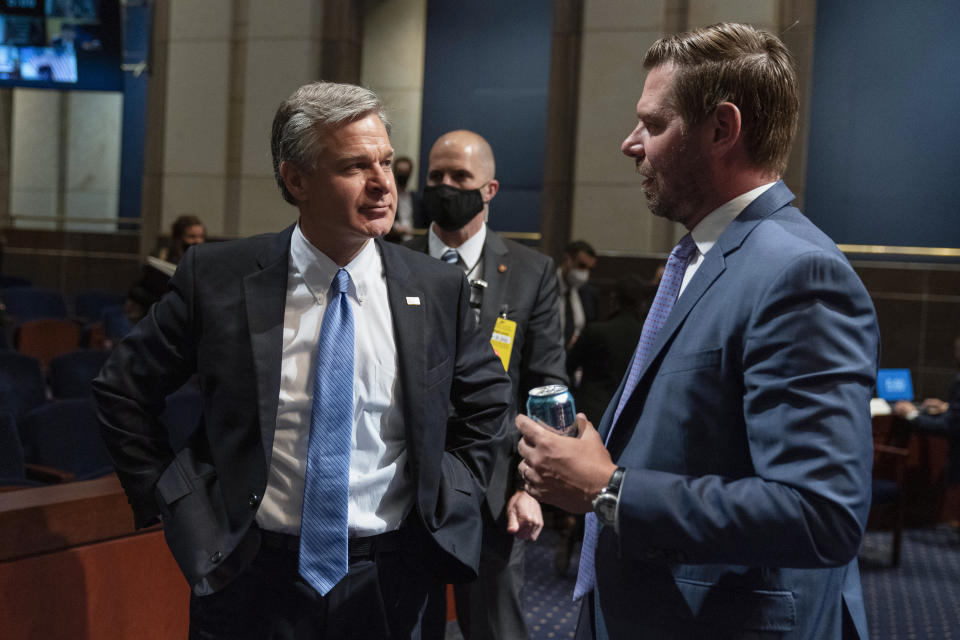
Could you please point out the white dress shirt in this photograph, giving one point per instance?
(471, 251)
(379, 497)
(708, 230)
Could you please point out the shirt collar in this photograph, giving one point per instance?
(470, 251)
(708, 230)
(317, 270)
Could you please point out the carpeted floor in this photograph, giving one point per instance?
(919, 600)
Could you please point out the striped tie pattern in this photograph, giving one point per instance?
(667, 294)
(450, 256)
(323, 525)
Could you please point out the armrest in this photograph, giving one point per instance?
(891, 450)
(48, 474)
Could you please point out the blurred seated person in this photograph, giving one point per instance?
(934, 416)
(410, 213)
(185, 232)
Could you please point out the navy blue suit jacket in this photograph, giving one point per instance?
(747, 445)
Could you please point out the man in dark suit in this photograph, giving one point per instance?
(514, 295)
(728, 482)
(605, 347)
(577, 298)
(311, 505)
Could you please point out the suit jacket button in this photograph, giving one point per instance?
(253, 500)
(216, 557)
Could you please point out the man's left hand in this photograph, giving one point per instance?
(563, 471)
(524, 516)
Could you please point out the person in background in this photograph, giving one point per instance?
(934, 416)
(351, 408)
(185, 232)
(605, 347)
(514, 297)
(578, 299)
(601, 356)
(409, 207)
(728, 484)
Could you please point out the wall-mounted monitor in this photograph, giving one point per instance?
(61, 44)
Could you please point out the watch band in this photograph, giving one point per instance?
(616, 479)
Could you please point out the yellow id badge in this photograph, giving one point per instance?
(502, 340)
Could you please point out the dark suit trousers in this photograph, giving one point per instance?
(489, 608)
(383, 596)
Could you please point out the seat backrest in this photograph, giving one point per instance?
(71, 373)
(29, 303)
(22, 386)
(46, 338)
(87, 305)
(115, 322)
(66, 434)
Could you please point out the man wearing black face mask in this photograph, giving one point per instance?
(515, 297)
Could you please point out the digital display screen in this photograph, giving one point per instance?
(60, 44)
(894, 384)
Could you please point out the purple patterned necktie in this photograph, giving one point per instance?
(659, 312)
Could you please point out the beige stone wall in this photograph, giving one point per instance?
(64, 159)
(394, 38)
(609, 209)
(226, 66)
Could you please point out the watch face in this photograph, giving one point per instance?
(605, 506)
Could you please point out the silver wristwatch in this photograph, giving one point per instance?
(605, 504)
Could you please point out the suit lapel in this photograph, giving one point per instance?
(407, 307)
(711, 269)
(496, 272)
(265, 294)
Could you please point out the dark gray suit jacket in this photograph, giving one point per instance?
(522, 283)
(223, 320)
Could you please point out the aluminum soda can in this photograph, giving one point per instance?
(552, 406)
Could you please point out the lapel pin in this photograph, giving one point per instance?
(413, 301)
(501, 268)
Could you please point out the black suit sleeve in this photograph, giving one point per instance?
(944, 423)
(543, 358)
(479, 394)
(153, 361)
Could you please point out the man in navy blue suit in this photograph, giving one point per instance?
(729, 478)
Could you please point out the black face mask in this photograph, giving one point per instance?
(401, 179)
(451, 208)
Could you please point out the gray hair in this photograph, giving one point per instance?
(296, 136)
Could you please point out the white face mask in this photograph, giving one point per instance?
(576, 278)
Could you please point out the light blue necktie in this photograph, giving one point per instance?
(323, 523)
(450, 256)
(660, 309)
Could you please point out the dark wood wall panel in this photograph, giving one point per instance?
(918, 309)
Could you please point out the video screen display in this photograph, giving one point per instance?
(69, 44)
